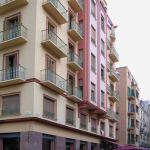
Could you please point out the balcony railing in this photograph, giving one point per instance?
(110, 135)
(115, 116)
(13, 111)
(70, 121)
(108, 112)
(102, 104)
(93, 129)
(114, 72)
(115, 55)
(108, 66)
(74, 57)
(13, 32)
(72, 90)
(49, 75)
(12, 73)
(49, 114)
(131, 94)
(108, 44)
(80, 2)
(50, 35)
(131, 125)
(115, 94)
(108, 89)
(93, 98)
(74, 25)
(131, 109)
(82, 125)
(62, 10)
(132, 141)
(93, 68)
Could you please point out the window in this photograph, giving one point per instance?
(50, 64)
(102, 47)
(137, 95)
(83, 145)
(70, 83)
(102, 22)
(11, 67)
(92, 92)
(132, 93)
(92, 62)
(47, 142)
(93, 8)
(81, 24)
(102, 128)
(69, 118)
(81, 85)
(83, 121)
(137, 137)
(137, 109)
(71, 21)
(93, 35)
(10, 105)
(81, 53)
(93, 125)
(51, 33)
(110, 131)
(129, 91)
(93, 146)
(69, 144)
(128, 75)
(102, 72)
(71, 56)
(132, 123)
(49, 108)
(137, 124)
(102, 99)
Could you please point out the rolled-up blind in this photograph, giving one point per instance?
(92, 6)
(48, 105)
(93, 60)
(10, 102)
(102, 45)
(83, 118)
(70, 113)
(93, 123)
(92, 32)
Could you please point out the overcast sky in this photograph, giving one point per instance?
(133, 39)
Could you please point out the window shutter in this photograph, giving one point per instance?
(48, 105)
(70, 113)
(93, 123)
(10, 102)
(19, 19)
(15, 60)
(83, 118)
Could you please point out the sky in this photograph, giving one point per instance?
(133, 39)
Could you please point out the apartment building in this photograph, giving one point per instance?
(56, 59)
(144, 125)
(129, 108)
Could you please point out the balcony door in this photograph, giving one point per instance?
(128, 137)
(112, 88)
(71, 53)
(50, 71)
(71, 84)
(51, 33)
(71, 19)
(11, 67)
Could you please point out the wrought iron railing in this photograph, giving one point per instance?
(13, 32)
(80, 2)
(108, 112)
(113, 72)
(82, 125)
(131, 141)
(74, 25)
(93, 68)
(131, 125)
(108, 88)
(50, 35)
(93, 40)
(131, 109)
(108, 43)
(49, 75)
(113, 51)
(93, 129)
(72, 90)
(115, 94)
(59, 7)
(74, 57)
(49, 114)
(108, 65)
(13, 111)
(12, 73)
(70, 121)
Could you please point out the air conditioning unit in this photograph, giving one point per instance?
(102, 133)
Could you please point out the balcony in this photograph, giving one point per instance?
(114, 117)
(131, 96)
(108, 45)
(52, 80)
(114, 76)
(114, 55)
(49, 114)
(111, 135)
(112, 35)
(131, 126)
(12, 75)
(51, 41)
(133, 83)
(8, 5)
(108, 112)
(108, 89)
(108, 67)
(8, 112)
(56, 10)
(117, 126)
(74, 93)
(131, 111)
(131, 142)
(114, 96)
(13, 36)
(75, 31)
(74, 61)
(93, 129)
(77, 5)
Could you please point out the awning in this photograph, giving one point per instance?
(115, 143)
